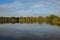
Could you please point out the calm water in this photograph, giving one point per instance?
(29, 32)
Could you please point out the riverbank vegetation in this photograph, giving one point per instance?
(48, 19)
(52, 19)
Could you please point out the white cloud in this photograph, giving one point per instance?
(11, 5)
(24, 12)
(17, 8)
(39, 6)
(42, 4)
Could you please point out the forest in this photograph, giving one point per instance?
(52, 19)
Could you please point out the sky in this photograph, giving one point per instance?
(29, 7)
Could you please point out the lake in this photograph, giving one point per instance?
(29, 32)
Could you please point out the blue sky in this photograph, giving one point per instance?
(29, 7)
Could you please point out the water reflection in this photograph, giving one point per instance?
(33, 23)
(29, 32)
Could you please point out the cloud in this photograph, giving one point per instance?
(11, 5)
(18, 5)
(29, 7)
(38, 6)
(42, 4)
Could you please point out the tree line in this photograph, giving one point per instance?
(53, 19)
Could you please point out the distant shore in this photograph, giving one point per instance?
(48, 19)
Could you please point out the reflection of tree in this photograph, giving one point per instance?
(56, 21)
(47, 19)
(52, 19)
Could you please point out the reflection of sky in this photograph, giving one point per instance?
(36, 29)
(29, 7)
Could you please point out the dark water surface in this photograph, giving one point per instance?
(29, 32)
